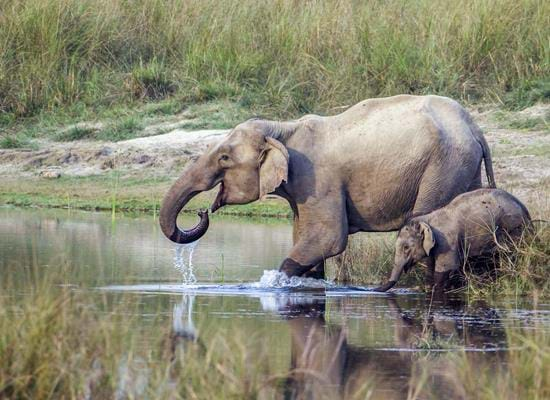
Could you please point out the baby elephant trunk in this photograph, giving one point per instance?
(395, 274)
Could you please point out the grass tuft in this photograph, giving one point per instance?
(126, 128)
(14, 142)
(151, 81)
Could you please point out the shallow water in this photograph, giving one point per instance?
(344, 334)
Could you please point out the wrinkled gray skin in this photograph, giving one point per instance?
(473, 224)
(369, 169)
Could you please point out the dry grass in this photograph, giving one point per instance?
(522, 373)
(58, 343)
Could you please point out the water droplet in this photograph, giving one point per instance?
(183, 262)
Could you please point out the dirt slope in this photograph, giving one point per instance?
(520, 144)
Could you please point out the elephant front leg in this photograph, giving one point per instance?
(292, 268)
(314, 245)
(317, 235)
(429, 264)
(317, 272)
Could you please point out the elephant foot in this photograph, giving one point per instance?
(317, 272)
(292, 268)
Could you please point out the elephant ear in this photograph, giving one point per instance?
(428, 241)
(273, 166)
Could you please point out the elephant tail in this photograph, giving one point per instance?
(487, 160)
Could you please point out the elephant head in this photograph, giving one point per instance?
(414, 242)
(249, 163)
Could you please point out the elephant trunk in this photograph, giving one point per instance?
(395, 274)
(175, 199)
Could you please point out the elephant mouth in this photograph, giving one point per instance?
(220, 199)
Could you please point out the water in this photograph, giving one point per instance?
(227, 282)
(183, 262)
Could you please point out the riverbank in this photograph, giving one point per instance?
(120, 194)
(72, 166)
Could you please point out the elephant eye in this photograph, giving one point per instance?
(224, 157)
(405, 247)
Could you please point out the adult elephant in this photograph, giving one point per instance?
(367, 169)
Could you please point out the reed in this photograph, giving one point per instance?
(283, 57)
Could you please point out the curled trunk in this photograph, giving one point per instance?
(174, 201)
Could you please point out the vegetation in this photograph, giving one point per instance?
(524, 375)
(57, 344)
(280, 58)
(61, 343)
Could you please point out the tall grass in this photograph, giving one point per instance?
(288, 56)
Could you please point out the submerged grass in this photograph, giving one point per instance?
(286, 57)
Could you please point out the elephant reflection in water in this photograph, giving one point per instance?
(324, 365)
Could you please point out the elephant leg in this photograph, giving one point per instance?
(292, 268)
(429, 264)
(320, 232)
(440, 280)
(317, 272)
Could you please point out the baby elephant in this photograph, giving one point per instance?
(469, 226)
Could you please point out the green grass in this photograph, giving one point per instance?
(75, 133)
(285, 58)
(15, 142)
(130, 194)
(124, 122)
(123, 129)
(215, 115)
(531, 123)
(517, 121)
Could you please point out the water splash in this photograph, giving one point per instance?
(273, 279)
(183, 262)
